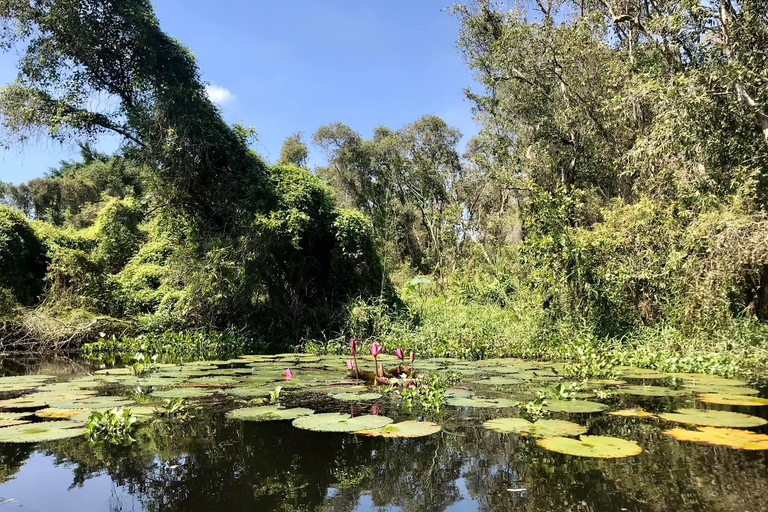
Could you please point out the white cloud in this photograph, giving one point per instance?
(218, 94)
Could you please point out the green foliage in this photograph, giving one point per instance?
(143, 365)
(425, 391)
(174, 407)
(294, 151)
(23, 260)
(534, 410)
(113, 426)
(274, 396)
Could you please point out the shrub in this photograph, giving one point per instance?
(23, 260)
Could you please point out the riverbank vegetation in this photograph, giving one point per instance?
(613, 208)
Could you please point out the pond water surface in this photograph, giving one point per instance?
(209, 462)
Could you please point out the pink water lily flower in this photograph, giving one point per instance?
(399, 354)
(353, 346)
(350, 364)
(287, 373)
(375, 349)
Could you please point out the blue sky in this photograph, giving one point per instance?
(287, 66)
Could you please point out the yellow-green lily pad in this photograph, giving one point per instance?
(334, 422)
(602, 447)
(183, 392)
(268, 413)
(651, 391)
(403, 429)
(43, 431)
(713, 418)
(738, 400)
(96, 402)
(633, 413)
(542, 428)
(730, 437)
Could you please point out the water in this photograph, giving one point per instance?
(208, 463)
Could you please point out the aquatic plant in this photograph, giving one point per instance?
(534, 409)
(375, 351)
(353, 349)
(426, 391)
(113, 426)
(174, 407)
(274, 396)
(288, 374)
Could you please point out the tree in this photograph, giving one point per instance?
(294, 151)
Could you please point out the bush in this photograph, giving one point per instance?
(23, 260)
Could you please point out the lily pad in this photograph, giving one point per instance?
(58, 414)
(542, 428)
(403, 429)
(11, 423)
(633, 413)
(651, 391)
(356, 397)
(704, 378)
(499, 381)
(268, 413)
(248, 392)
(488, 403)
(574, 406)
(724, 390)
(43, 431)
(96, 402)
(183, 392)
(730, 437)
(333, 422)
(713, 418)
(741, 400)
(601, 447)
(24, 402)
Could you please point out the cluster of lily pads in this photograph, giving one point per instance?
(44, 407)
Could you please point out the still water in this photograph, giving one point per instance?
(208, 462)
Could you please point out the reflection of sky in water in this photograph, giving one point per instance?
(40, 486)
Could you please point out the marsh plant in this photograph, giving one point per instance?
(113, 426)
(425, 391)
(142, 365)
(174, 407)
(274, 396)
(534, 409)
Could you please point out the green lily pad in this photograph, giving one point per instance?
(333, 422)
(738, 400)
(183, 392)
(732, 438)
(356, 397)
(268, 413)
(24, 402)
(38, 432)
(713, 418)
(706, 379)
(650, 391)
(13, 415)
(487, 403)
(403, 429)
(591, 446)
(642, 373)
(96, 402)
(11, 423)
(606, 382)
(574, 406)
(54, 413)
(542, 428)
(248, 391)
(499, 381)
(724, 390)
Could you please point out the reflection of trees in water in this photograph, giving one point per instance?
(209, 463)
(12, 458)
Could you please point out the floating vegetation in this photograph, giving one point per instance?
(488, 403)
(591, 446)
(58, 414)
(183, 392)
(713, 418)
(334, 422)
(43, 431)
(737, 400)
(356, 397)
(633, 413)
(656, 391)
(97, 402)
(268, 413)
(541, 428)
(732, 438)
(574, 406)
(403, 429)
